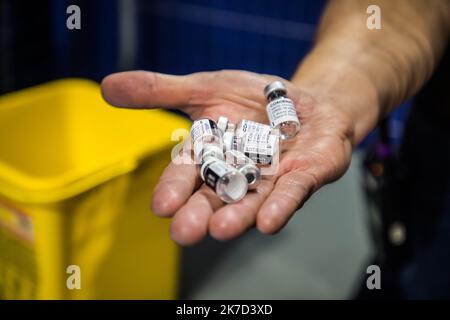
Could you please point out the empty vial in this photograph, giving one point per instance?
(228, 183)
(222, 123)
(261, 148)
(256, 140)
(248, 126)
(213, 151)
(244, 165)
(206, 137)
(228, 141)
(229, 138)
(281, 110)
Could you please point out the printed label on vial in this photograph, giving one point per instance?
(260, 149)
(213, 173)
(263, 144)
(259, 158)
(281, 110)
(253, 127)
(202, 128)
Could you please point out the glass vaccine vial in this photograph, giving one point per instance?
(259, 148)
(207, 140)
(244, 165)
(222, 123)
(228, 183)
(281, 110)
(211, 151)
(256, 140)
(229, 138)
(248, 126)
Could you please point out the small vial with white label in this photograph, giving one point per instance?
(256, 140)
(244, 165)
(211, 151)
(261, 148)
(206, 139)
(228, 183)
(229, 138)
(281, 110)
(222, 123)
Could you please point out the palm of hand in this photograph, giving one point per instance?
(319, 154)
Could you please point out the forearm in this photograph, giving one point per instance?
(371, 71)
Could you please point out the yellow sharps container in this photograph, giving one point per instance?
(76, 177)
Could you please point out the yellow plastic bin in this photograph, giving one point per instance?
(76, 177)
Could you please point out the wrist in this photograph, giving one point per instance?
(343, 85)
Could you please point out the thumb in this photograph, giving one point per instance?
(143, 89)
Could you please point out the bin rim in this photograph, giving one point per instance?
(15, 184)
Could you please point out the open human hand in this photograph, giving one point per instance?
(319, 154)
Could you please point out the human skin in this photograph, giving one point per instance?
(350, 80)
